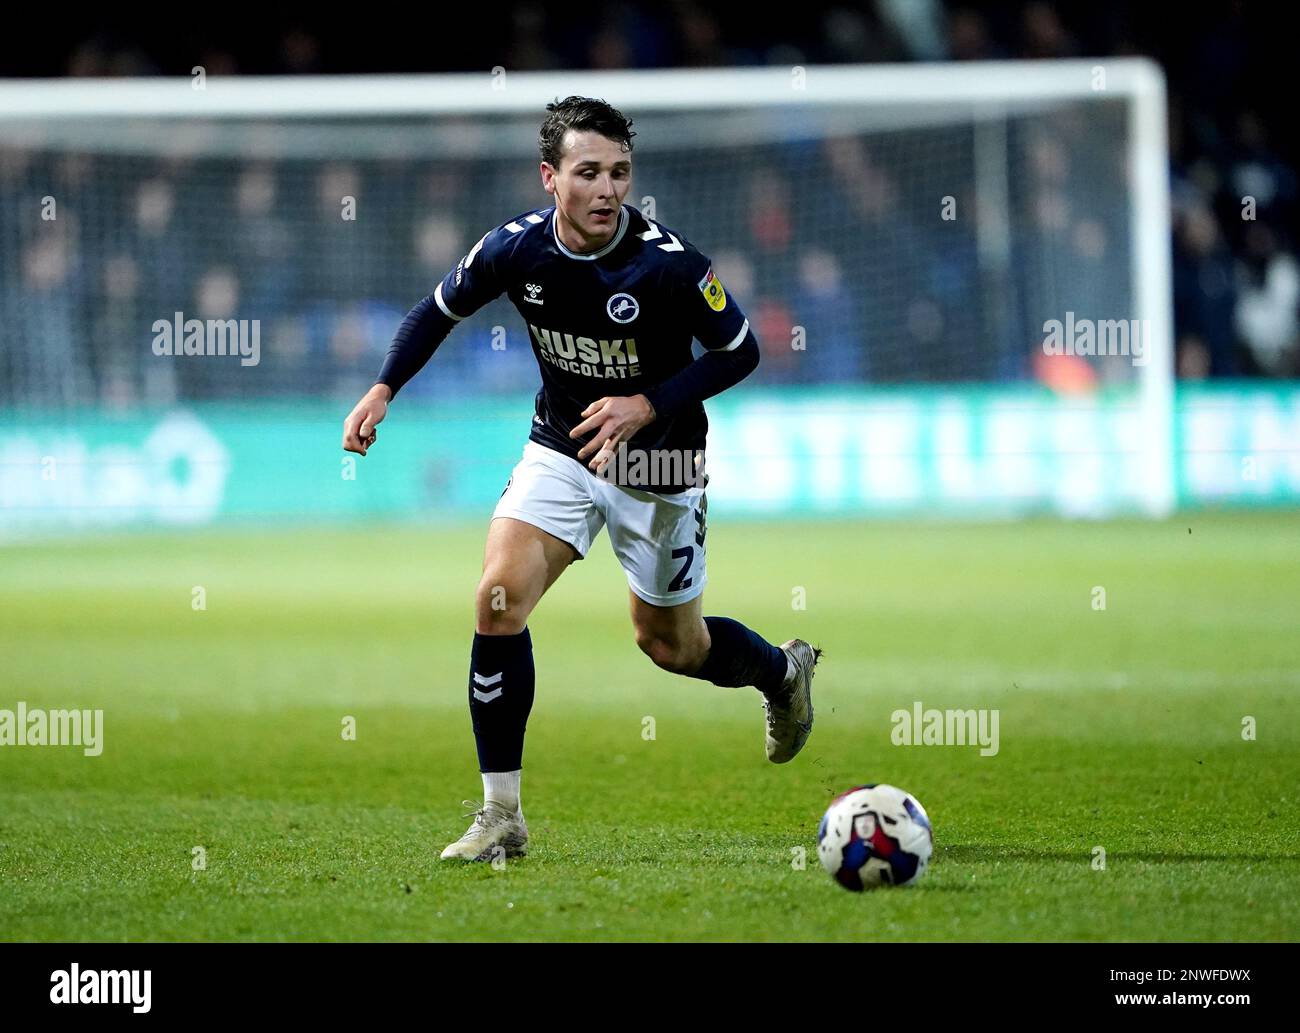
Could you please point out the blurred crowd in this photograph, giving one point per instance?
(837, 248)
(838, 240)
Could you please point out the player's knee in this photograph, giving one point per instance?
(500, 607)
(672, 654)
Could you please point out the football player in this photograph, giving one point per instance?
(612, 301)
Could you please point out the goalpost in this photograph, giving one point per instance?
(904, 226)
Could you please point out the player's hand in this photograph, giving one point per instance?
(613, 420)
(359, 428)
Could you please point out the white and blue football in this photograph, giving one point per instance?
(875, 835)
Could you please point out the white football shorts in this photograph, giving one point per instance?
(659, 539)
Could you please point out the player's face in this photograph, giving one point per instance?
(594, 176)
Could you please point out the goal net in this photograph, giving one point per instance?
(984, 228)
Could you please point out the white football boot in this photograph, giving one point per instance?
(790, 711)
(493, 827)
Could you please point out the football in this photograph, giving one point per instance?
(874, 835)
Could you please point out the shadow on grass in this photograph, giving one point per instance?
(975, 852)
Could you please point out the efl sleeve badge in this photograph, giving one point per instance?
(711, 288)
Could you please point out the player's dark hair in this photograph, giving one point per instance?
(584, 114)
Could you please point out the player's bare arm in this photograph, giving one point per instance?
(359, 428)
(613, 420)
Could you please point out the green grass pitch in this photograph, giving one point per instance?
(1119, 728)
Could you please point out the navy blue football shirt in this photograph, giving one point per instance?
(616, 321)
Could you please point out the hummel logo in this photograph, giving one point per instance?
(654, 233)
(488, 697)
(533, 289)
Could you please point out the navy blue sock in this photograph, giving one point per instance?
(501, 681)
(739, 656)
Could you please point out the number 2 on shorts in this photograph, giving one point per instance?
(681, 581)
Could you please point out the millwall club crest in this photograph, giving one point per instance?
(622, 308)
